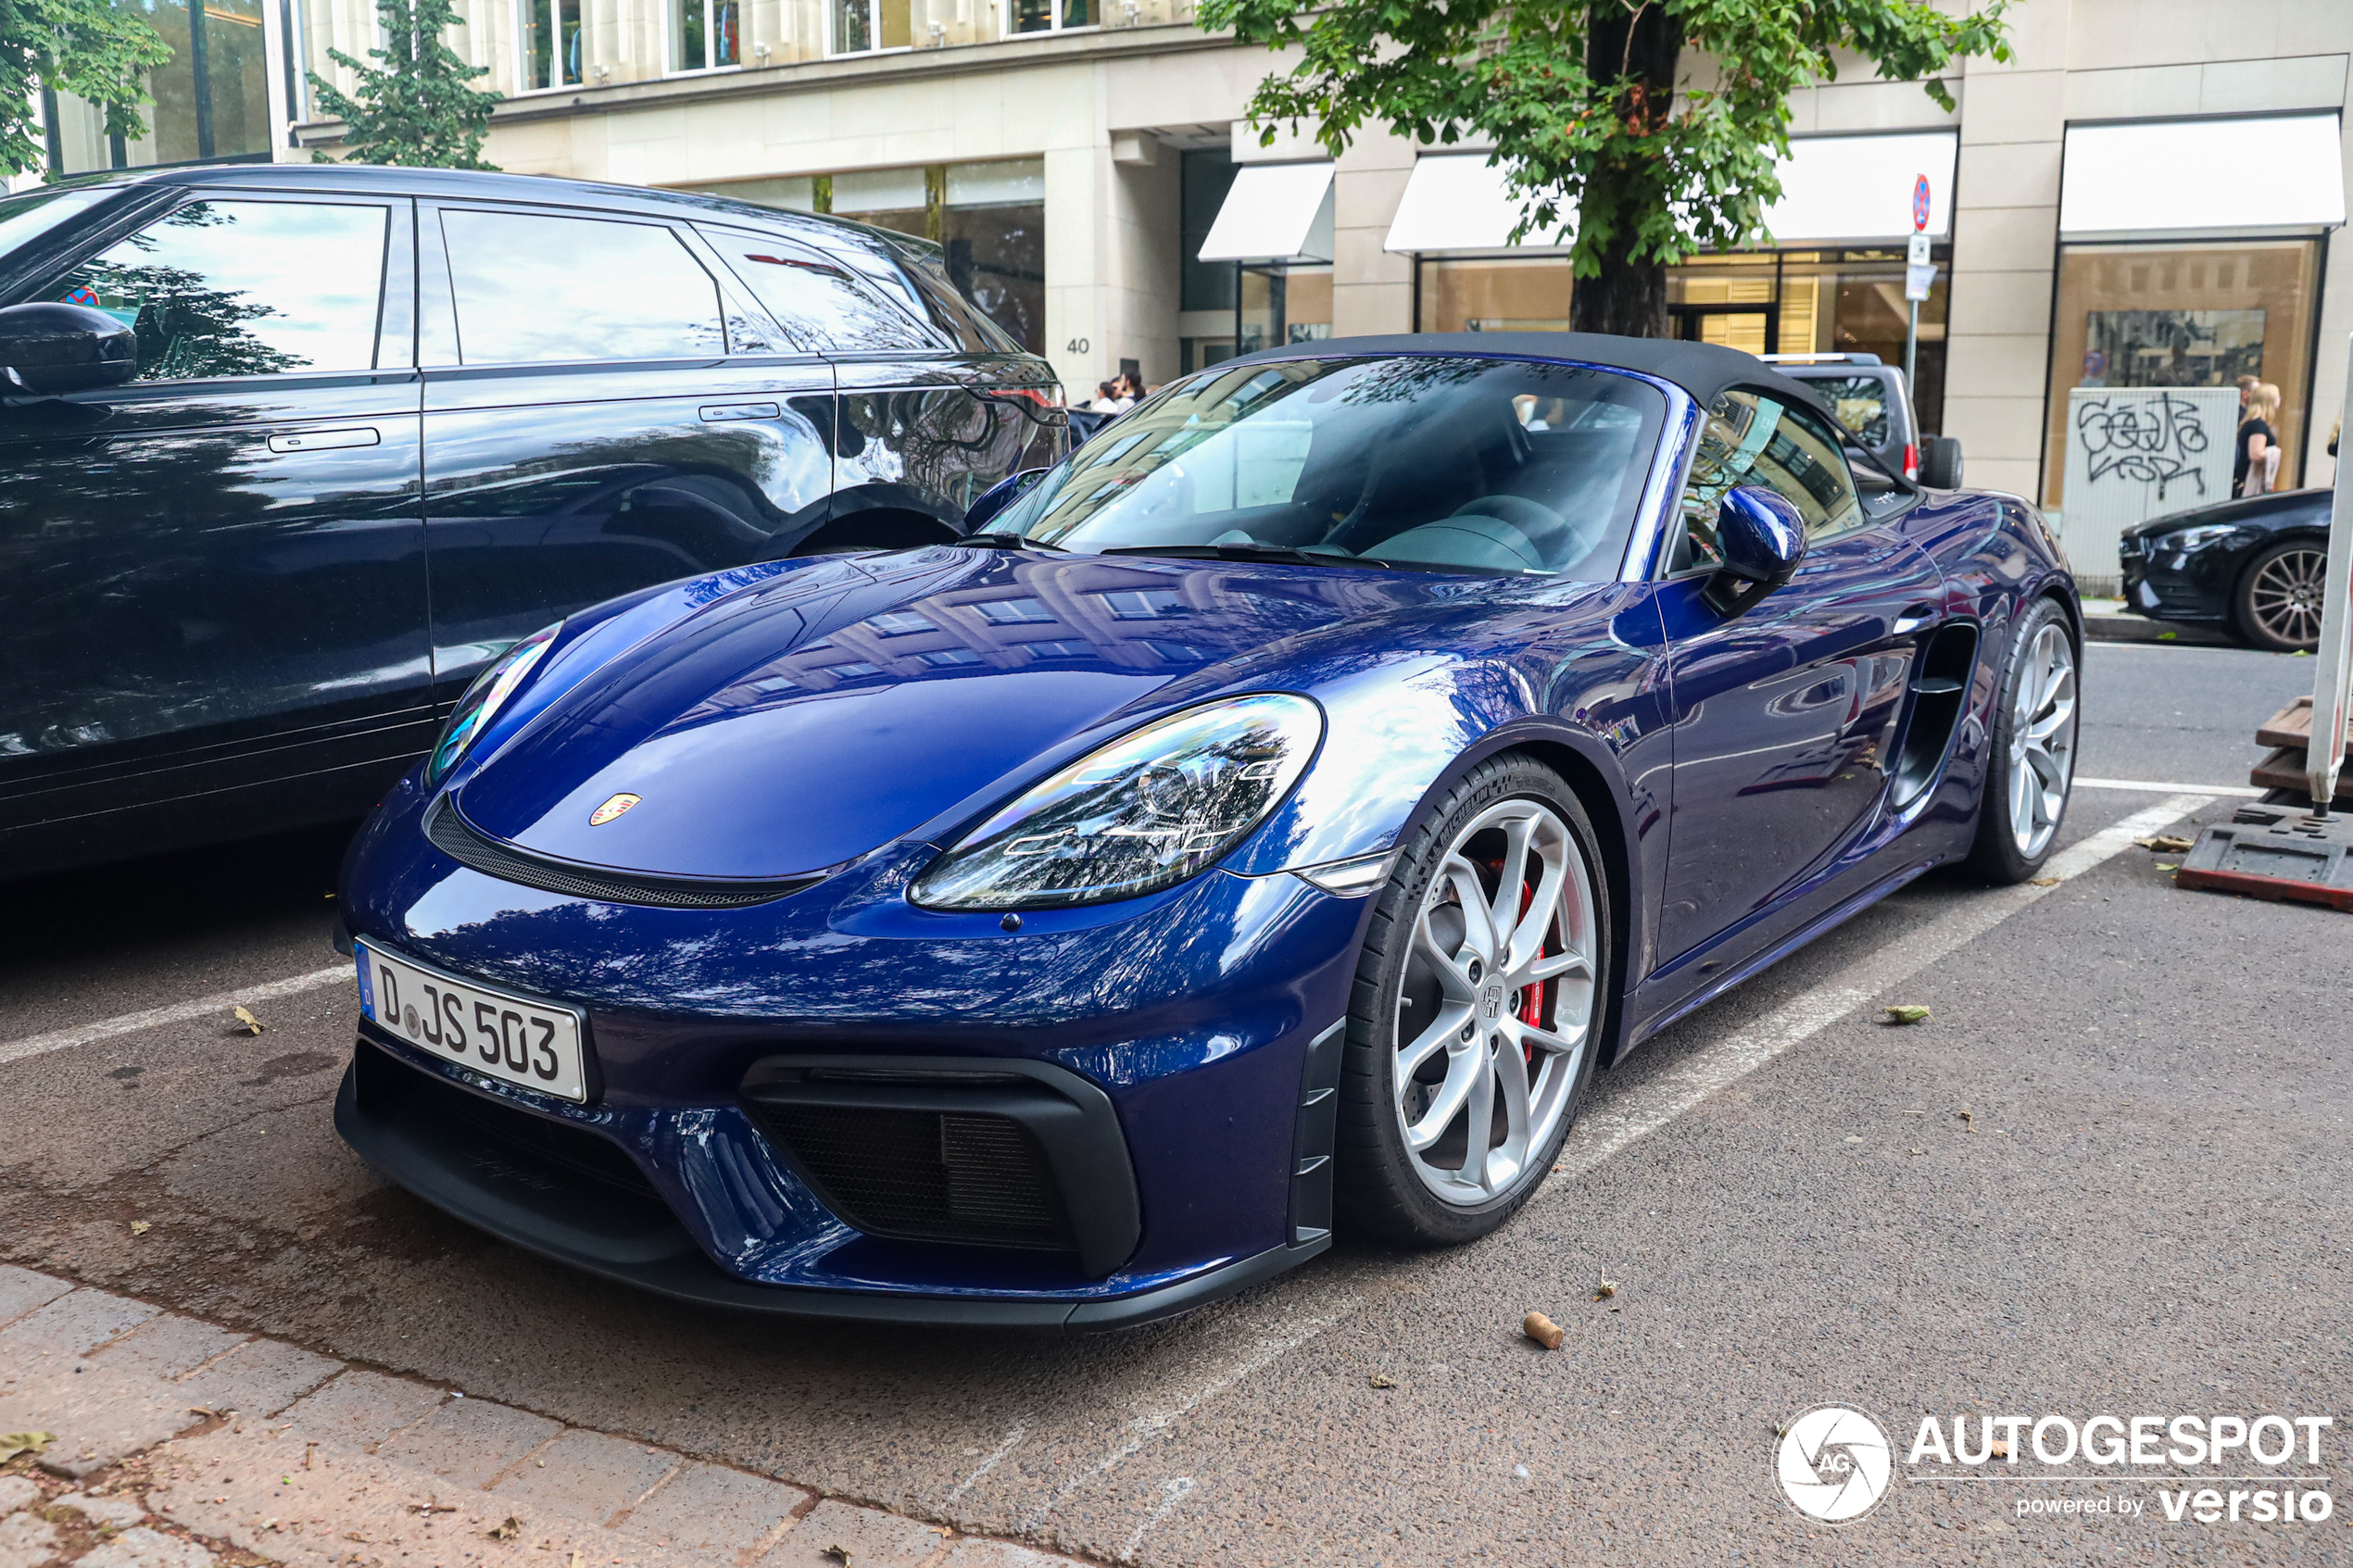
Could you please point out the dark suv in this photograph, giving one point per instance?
(292, 452)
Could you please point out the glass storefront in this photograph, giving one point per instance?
(212, 100)
(990, 218)
(2185, 315)
(1495, 294)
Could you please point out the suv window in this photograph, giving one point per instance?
(1861, 403)
(1749, 438)
(244, 288)
(533, 288)
(816, 301)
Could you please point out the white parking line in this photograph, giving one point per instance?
(1604, 1132)
(178, 1012)
(1633, 1114)
(2148, 786)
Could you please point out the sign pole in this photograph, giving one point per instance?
(1918, 274)
(2332, 669)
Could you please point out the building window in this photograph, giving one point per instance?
(1052, 16)
(1495, 294)
(942, 659)
(993, 224)
(2180, 316)
(706, 34)
(548, 33)
(1144, 604)
(1063, 648)
(211, 99)
(863, 26)
(1012, 612)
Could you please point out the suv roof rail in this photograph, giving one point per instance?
(1821, 358)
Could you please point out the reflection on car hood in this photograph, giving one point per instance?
(2269, 510)
(774, 732)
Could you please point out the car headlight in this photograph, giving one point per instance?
(1156, 806)
(2196, 538)
(483, 698)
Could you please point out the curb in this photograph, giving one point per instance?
(2100, 627)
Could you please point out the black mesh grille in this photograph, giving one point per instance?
(387, 1086)
(455, 838)
(931, 1175)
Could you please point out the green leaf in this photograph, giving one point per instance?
(414, 106)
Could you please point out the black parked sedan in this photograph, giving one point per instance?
(292, 452)
(2255, 565)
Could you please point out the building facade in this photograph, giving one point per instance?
(2145, 197)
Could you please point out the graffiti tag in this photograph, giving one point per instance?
(2144, 439)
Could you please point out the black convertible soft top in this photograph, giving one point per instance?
(1704, 369)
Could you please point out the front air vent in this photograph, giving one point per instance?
(1940, 695)
(986, 1152)
(926, 1175)
(454, 836)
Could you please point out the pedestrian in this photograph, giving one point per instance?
(1106, 399)
(2250, 464)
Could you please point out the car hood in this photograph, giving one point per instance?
(2264, 510)
(792, 726)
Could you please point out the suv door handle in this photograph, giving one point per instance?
(321, 440)
(741, 411)
(1914, 619)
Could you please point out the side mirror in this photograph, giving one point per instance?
(1941, 462)
(49, 348)
(998, 497)
(1762, 539)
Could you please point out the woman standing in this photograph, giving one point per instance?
(2256, 438)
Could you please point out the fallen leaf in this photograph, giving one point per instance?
(1998, 1450)
(2166, 843)
(141, 1227)
(836, 1554)
(247, 1022)
(1604, 1290)
(508, 1531)
(1542, 1330)
(2043, 882)
(1379, 1381)
(2168, 865)
(1969, 1122)
(1907, 1014)
(1919, 1152)
(2167, 636)
(15, 1443)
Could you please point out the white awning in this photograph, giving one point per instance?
(1458, 201)
(2274, 173)
(1274, 212)
(1833, 188)
(1859, 188)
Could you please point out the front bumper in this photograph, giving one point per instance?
(545, 1205)
(1195, 1017)
(2177, 585)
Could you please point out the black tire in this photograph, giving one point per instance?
(1995, 854)
(2276, 605)
(1378, 1194)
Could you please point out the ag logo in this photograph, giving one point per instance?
(1834, 1463)
(610, 810)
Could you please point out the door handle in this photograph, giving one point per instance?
(321, 440)
(741, 411)
(1914, 619)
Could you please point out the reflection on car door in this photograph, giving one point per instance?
(213, 578)
(1785, 714)
(604, 409)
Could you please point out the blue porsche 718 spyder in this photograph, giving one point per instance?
(1262, 824)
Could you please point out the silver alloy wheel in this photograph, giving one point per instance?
(2043, 739)
(1496, 1002)
(2286, 595)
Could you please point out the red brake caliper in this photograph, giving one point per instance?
(1532, 997)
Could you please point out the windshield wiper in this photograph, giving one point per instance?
(1244, 552)
(1005, 541)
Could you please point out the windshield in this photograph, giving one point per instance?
(1861, 403)
(27, 217)
(1438, 464)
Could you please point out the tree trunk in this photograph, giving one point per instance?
(1635, 46)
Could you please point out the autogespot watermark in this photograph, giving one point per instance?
(1835, 1463)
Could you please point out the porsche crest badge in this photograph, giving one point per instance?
(610, 810)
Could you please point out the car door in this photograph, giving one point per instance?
(605, 407)
(1784, 713)
(213, 578)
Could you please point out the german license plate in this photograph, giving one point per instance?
(495, 1032)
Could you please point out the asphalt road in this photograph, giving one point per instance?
(2140, 1212)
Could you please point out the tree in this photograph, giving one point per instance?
(1579, 100)
(90, 49)
(415, 108)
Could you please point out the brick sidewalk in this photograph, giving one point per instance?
(174, 1444)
